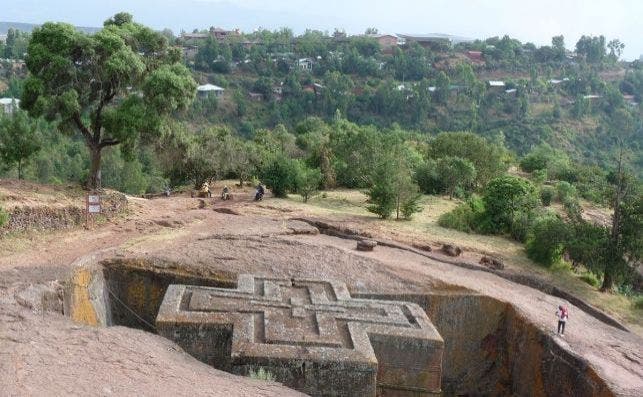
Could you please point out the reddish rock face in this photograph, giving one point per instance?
(310, 334)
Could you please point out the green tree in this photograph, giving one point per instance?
(456, 173)
(393, 187)
(307, 180)
(111, 87)
(19, 140)
(504, 198)
(207, 156)
(592, 48)
(558, 45)
(245, 159)
(547, 194)
(280, 174)
(489, 159)
(586, 244)
(616, 48)
(546, 240)
(625, 244)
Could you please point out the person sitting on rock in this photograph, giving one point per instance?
(205, 190)
(562, 315)
(225, 194)
(259, 192)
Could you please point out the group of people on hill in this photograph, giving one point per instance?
(225, 193)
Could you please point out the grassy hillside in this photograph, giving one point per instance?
(349, 206)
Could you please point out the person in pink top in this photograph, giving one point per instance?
(562, 315)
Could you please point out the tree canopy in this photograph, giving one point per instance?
(112, 87)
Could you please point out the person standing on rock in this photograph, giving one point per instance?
(562, 315)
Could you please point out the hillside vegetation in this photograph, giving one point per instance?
(522, 135)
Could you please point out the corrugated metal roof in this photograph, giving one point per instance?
(209, 87)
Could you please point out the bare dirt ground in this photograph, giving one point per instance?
(49, 355)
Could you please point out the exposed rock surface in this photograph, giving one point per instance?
(366, 245)
(492, 263)
(501, 346)
(48, 355)
(451, 250)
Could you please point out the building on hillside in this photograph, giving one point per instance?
(496, 84)
(314, 88)
(3, 38)
(475, 56)
(190, 51)
(339, 35)
(9, 105)
(305, 64)
(210, 90)
(434, 40)
(386, 41)
(194, 36)
(255, 96)
(222, 34)
(630, 100)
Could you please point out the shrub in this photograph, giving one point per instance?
(638, 302)
(547, 194)
(466, 217)
(307, 180)
(280, 175)
(411, 206)
(456, 172)
(261, 374)
(565, 191)
(539, 176)
(545, 243)
(382, 199)
(4, 217)
(427, 178)
(521, 225)
(591, 279)
(504, 198)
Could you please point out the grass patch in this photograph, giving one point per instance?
(637, 302)
(591, 279)
(261, 374)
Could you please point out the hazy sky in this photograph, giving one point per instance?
(534, 20)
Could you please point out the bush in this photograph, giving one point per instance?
(638, 302)
(504, 198)
(591, 279)
(521, 225)
(411, 206)
(382, 198)
(280, 175)
(547, 194)
(427, 178)
(4, 217)
(466, 217)
(565, 191)
(545, 243)
(307, 180)
(261, 374)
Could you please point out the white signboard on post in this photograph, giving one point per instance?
(93, 203)
(92, 207)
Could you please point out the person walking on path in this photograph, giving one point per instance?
(562, 315)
